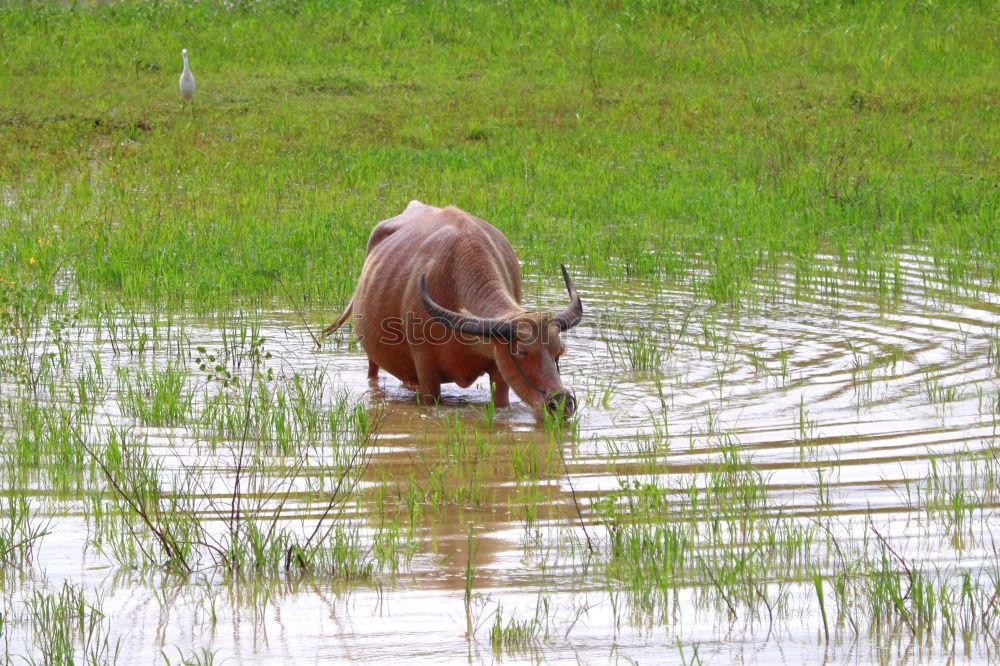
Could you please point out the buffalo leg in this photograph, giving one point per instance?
(428, 382)
(372, 370)
(428, 394)
(501, 390)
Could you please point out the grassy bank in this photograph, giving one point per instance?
(619, 137)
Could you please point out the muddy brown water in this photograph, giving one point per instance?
(842, 402)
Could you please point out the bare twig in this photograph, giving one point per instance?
(725, 597)
(22, 543)
(277, 278)
(373, 427)
(163, 536)
(576, 503)
(902, 562)
(236, 502)
(843, 561)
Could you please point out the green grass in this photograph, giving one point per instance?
(640, 350)
(619, 137)
(65, 620)
(154, 396)
(514, 635)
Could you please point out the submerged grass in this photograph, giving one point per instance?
(67, 626)
(176, 521)
(154, 396)
(226, 459)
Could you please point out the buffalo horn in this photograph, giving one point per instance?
(573, 313)
(487, 328)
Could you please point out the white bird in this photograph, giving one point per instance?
(187, 79)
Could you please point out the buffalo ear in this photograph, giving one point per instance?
(573, 313)
(498, 329)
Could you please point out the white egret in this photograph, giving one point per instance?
(187, 79)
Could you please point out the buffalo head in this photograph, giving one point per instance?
(526, 347)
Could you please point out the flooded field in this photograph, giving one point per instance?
(813, 477)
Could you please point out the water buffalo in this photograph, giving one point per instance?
(439, 300)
